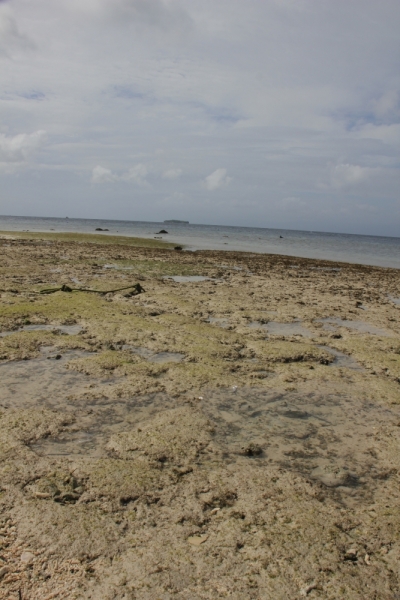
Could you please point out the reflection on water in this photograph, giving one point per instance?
(188, 278)
(341, 359)
(67, 329)
(222, 322)
(331, 323)
(275, 328)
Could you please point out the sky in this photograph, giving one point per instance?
(267, 113)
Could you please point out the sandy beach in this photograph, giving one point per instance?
(232, 431)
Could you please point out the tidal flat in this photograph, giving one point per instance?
(232, 431)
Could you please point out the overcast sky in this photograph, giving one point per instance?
(269, 113)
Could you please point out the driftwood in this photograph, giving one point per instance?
(65, 288)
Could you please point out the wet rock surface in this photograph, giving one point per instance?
(234, 466)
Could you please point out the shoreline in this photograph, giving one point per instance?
(110, 238)
(233, 431)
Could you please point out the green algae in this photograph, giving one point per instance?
(89, 238)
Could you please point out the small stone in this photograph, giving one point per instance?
(197, 540)
(42, 495)
(351, 554)
(27, 557)
(3, 571)
(252, 450)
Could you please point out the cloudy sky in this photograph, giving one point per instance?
(269, 113)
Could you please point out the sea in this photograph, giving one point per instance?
(349, 248)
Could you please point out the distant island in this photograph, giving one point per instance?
(176, 221)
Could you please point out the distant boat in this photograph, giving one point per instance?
(176, 221)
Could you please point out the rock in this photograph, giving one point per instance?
(178, 248)
(98, 229)
(351, 554)
(3, 571)
(42, 495)
(197, 540)
(162, 231)
(27, 557)
(252, 450)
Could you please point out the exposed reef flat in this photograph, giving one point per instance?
(171, 444)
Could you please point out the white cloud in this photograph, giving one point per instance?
(10, 37)
(137, 174)
(217, 179)
(147, 86)
(345, 175)
(19, 148)
(103, 175)
(172, 173)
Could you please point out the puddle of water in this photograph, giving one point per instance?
(28, 382)
(158, 357)
(341, 359)
(117, 267)
(138, 350)
(49, 384)
(395, 300)
(75, 280)
(99, 419)
(67, 329)
(324, 435)
(165, 357)
(188, 278)
(220, 321)
(331, 323)
(275, 328)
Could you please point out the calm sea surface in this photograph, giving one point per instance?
(363, 249)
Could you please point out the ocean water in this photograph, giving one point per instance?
(361, 249)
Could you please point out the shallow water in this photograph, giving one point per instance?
(218, 321)
(165, 357)
(66, 329)
(363, 249)
(341, 359)
(157, 357)
(395, 300)
(97, 420)
(275, 328)
(188, 278)
(43, 380)
(331, 323)
(324, 435)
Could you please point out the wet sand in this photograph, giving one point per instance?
(231, 432)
